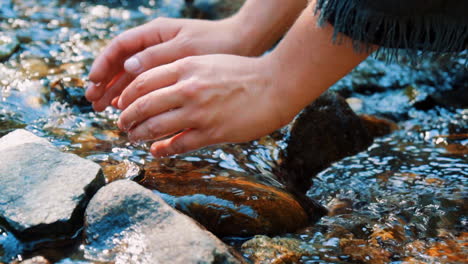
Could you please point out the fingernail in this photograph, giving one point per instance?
(133, 65)
(90, 85)
(89, 88)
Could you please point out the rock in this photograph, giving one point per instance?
(71, 91)
(457, 97)
(230, 205)
(361, 251)
(44, 191)
(36, 260)
(340, 207)
(8, 45)
(127, 223)
(265, 250)
(378, 127)
(326, 131)
(10, 122)
(35, 68)
(123, 170)
(211, 9)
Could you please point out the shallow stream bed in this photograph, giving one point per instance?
(404, 200)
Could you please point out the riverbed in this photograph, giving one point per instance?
(403, 200)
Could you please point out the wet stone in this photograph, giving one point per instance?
(229, 206)
(326, 131)
(9, 122)
(123, 170)
(126, 223)
(378, 127)
(278, 250)
(70, 91)
(36, 260)
(211, 9)
(8, 45)
(44, 191)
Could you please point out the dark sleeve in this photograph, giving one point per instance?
(427, 25)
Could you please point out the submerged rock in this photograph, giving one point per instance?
(265, 250)
(8, 45)
(9, 122)
(378, 127)
(70, 91)
(211, 9)
(44, 191)
(326, 131)
(126, 223)
(35, 260)
(229, 206)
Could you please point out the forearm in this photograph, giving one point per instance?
(309, 62)
(263, 22)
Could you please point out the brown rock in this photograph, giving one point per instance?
(341, 207)
(123, 170)
(228, 206)
(35, 68)
(361, 251)
(326, 131)
(265, 250)
(378, 127)
(211, 9)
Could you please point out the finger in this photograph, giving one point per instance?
(114, 90)
(147, 82)
(154, 56)
(114, 102)
(94, 92)
(152, 104)
(159, 126)
(188, 140)
(111, 60)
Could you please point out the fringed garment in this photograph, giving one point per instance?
(413, 26)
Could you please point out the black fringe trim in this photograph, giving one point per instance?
(410, 35)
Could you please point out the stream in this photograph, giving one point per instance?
(403, 200)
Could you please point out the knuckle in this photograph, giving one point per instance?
(140, 106)
(119, 41)
(190, 89)
(140, 82)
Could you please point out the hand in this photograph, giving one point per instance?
(201, 101)
(156, 43)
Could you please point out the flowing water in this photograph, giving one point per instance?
(402, 200)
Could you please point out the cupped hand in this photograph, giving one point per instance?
(203, 100)
(159, 42)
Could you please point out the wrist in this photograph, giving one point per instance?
(245, 37)
(258, 25)
(282, 87)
